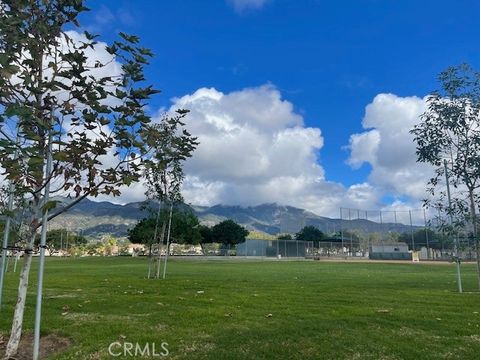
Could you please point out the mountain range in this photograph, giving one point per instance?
(98, 218)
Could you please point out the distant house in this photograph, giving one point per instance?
(395, 251)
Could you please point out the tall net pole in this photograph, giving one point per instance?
(381, 227)
(426, 233)
(369, 245)
(341, 230)
(411, 230)
(351, 239)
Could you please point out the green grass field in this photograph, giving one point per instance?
(319, 310)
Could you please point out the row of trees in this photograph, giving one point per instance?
(186, 229)
(61, 239)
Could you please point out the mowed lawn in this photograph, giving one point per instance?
(258, 310)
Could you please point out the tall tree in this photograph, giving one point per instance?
(228, 232)
(144, 232)
(310, 233)
(76, 125)
(185, 228)
(449, 132)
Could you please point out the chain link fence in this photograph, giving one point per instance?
(275, 248)
(396, 234)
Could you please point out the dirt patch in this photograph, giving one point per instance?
(50, 345)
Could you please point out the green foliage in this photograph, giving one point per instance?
(435, 240)
(143, 232)
(260, 235)
(56, 105)
(310, 233)
(173, 145)
(228, 232)
(448, 137)
(185, 228)
(450, 131)
(61, 239)
(57, 93)
(284, 237)
(320, 310)
(206, 234)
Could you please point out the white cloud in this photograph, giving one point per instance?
(245, 5)
(388, 146)
(254, 148)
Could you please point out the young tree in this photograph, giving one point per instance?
(77, 123)
(449, 132)
(164, 173)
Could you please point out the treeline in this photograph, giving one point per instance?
(185, 229)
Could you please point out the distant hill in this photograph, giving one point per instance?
(96, 218)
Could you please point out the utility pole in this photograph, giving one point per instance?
(455, 240)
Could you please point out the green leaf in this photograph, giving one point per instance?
(52, 204)
(130, 38)
(60, 156)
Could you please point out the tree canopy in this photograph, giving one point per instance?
(448, 137)
(228, 232)
(310, 233)
(59, 239)
(206, 234)
(185, 228)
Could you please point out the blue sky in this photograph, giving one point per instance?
(329, 59)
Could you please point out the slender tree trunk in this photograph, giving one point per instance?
(168, 241)
(473, 212)
(149, 261)
(16, 333)
(160, 243)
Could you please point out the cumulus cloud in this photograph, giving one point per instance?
(254, 148)
(388, 147)
(245, 5)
